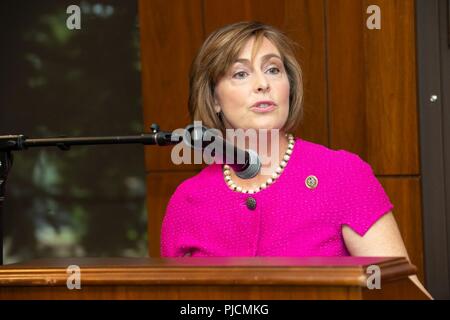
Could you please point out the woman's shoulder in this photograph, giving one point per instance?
(201, 181)
(344, 173)
(328, 158)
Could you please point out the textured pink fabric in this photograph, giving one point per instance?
(206, 218)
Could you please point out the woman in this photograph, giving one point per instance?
(314, 202)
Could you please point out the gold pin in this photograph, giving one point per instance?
(311, 182)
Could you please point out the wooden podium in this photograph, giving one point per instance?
(255, 278)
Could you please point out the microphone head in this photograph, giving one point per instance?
(252, 167)
(198, 137)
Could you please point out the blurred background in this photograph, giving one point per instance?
(90, 200)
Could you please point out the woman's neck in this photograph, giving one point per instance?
(271, 146)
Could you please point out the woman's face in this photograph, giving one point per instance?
(246, 84)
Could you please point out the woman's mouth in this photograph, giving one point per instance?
(264, 107)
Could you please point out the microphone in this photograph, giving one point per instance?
(245, 163)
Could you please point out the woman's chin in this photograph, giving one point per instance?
(267, 126)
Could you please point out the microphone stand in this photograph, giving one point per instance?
(9, 143)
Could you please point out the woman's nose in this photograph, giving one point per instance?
(263, 88)
(262, 84)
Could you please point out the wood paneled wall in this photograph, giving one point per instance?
(360, 88)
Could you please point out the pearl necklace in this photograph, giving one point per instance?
(232, 185)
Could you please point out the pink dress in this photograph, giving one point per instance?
(207, 219)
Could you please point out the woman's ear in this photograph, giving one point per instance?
(217, 107)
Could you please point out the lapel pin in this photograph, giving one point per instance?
(311, 182)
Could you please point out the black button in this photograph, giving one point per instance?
(251, 203)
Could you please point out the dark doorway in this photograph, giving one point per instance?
(433, 58)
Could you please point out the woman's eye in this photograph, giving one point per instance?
(239, 74)
(275, 68)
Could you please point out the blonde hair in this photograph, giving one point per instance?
(218, 53)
